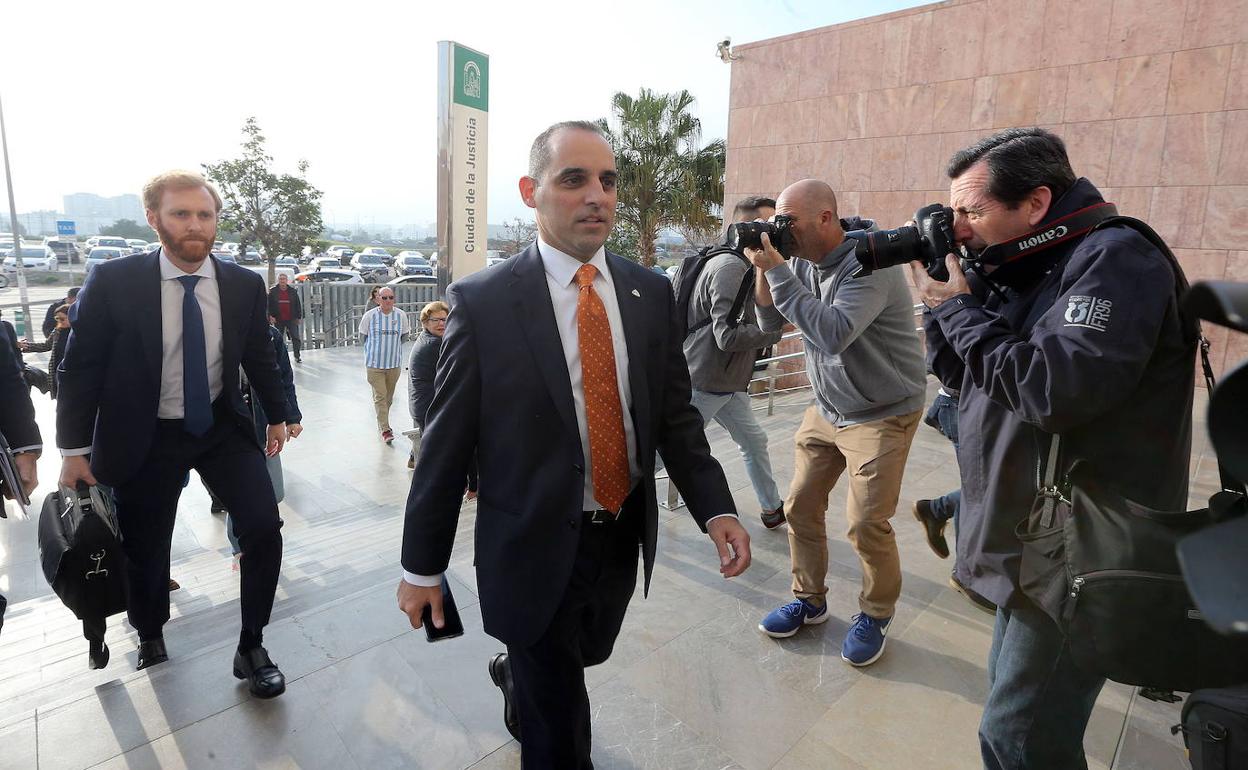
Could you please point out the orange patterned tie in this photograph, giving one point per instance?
(608, 453)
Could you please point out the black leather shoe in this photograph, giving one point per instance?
(773, 519)
(97, 655)
(934, 527)
(500, 672)
(151, 652)
(265, 679)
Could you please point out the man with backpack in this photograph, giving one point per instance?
(714, 291)
(1073, 331)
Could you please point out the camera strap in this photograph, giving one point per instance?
(1060, 230)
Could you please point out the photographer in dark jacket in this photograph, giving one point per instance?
(1083, 341)
(286, 307)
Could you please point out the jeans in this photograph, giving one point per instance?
(946, 507)
(733, 412)
(943, 416)
(1039, 701)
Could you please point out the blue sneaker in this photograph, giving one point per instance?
(784, 621)
(864, 644)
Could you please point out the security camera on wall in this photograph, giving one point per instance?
(724, 50)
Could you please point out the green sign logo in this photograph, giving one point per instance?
(472, 79)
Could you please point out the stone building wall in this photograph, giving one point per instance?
(1151, 97)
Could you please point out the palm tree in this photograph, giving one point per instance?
(667, 180)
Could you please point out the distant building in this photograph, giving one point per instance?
(90, 212)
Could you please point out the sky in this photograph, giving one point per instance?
(98, 97)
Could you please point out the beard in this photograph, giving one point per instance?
(187, 249)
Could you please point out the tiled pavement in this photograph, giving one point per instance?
(692, 683)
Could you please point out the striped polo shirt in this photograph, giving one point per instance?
(383, 343)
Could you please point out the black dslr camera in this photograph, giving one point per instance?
(928, 242)
(748, 235)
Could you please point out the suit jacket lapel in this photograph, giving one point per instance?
(231, 316)
(629, 297)
(149, 302)
(536, 316)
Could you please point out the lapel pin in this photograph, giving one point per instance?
(636, 293)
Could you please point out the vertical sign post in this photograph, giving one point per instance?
(65, 228)
(463, 109)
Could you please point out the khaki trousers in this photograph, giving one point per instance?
(875, 455)
(383, 382)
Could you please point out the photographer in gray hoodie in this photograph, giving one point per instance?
(866, 368)
(721, 357)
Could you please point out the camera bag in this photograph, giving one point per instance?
(1106, 570)
(1215, 729)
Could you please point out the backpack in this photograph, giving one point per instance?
(1215, 729)
(687, 278)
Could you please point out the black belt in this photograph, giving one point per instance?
(600, 516)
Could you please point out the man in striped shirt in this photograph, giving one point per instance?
(383, 329)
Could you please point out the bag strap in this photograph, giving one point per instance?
(1047, 486)
(738, 302)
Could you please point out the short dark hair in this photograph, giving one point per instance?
(1019, 160)
(752, 204)
(73, 292)
(62, 309)
(539, 154)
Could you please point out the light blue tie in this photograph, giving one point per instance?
(196, 400)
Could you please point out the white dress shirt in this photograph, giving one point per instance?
(564, 294)
(208, 293)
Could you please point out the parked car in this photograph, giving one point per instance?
(249, 257)
(426, 280)
(344, 256)
(412, 264)
(329, 275)
(35, 258)
(226, 256)
(138, 245)
(370, 267)
(103, 254)
(386, 256)
(66, 251)
(114, 243)
(152, 247)
(319, 262)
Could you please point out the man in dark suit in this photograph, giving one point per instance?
(17, 424)
(562, 370)
(150, 389)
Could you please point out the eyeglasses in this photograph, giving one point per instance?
(384, 297)
(437, 320)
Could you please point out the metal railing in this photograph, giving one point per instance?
(332, 311)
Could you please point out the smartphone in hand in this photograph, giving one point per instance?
(452, 627)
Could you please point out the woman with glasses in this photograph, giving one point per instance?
(423, 365)
(422, 368)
